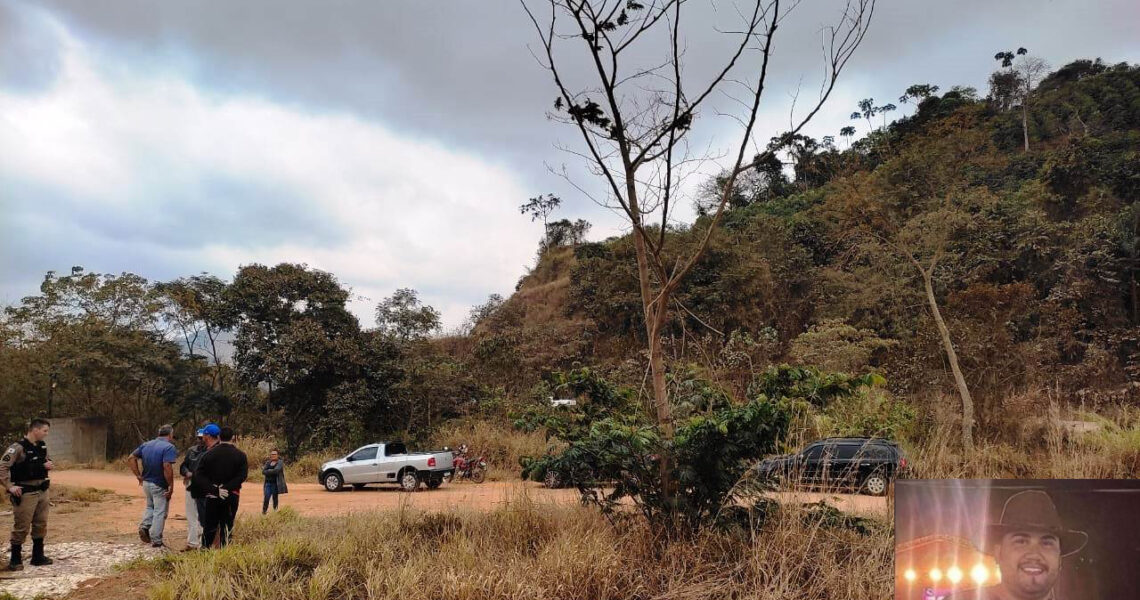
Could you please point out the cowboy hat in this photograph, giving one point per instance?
(1033, 510)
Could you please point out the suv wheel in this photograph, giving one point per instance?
(552, 480)
(410, 481)
(875, 484)
(333, 482)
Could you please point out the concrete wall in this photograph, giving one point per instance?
(78, 440)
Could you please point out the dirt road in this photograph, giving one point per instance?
(118, 518)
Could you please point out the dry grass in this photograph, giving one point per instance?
(528, 551)
(502, 445)
(87, 495)
(1041, 451)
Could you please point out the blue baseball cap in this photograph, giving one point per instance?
(212, 430)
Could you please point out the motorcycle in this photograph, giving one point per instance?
(467, 468)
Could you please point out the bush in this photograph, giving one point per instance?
(615, 454)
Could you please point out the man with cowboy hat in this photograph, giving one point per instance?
(1028, 543)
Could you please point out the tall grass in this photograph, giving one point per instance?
(526, 550)
(1042, 449)
(501, 444)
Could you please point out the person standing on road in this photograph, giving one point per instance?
(186, 470)
(197, 490)
(230, 437)
(156, 476)
(274, 472)
(24, 476)
(217, 480)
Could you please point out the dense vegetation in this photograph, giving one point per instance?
(1036, 251)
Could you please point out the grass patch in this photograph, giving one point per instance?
(1112, 452)
(525, 550)
(85, 495)
(501, 444)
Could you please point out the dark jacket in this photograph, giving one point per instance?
(221, 466)
(275, 475)
(190, 463)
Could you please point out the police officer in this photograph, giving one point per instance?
(24, 475)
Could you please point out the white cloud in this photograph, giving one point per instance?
(117, 148)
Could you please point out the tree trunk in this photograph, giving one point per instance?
(952, 356)
(1025, 121)
(654, 313)
(1135, 293)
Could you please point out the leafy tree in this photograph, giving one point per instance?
(540, 207)
(404, 318)
(195, 307)
(296, 336)
(613, 453)
(917, 93)
(565, 233)
(847, 132)
(92, 344)
(867, 109)
(1028, 71)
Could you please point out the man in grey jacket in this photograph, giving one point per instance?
(274, 472)
(186, 470)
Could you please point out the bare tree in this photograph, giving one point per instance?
(634, 122)
(923, 243)
(1029, 70)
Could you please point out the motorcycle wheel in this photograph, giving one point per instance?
(479, 475)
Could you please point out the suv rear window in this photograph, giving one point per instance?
(814, 452)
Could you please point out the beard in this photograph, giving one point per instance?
(1032, 578)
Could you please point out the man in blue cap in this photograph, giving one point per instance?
(217, 481)
(186, 470)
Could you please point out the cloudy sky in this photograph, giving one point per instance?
(387, 141)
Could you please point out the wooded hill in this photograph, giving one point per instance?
(1034, 252)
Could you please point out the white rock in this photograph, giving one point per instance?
(75, 562)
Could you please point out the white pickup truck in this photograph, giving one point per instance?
(387, 462)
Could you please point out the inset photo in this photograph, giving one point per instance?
(1017, 539)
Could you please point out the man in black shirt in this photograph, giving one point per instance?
(217, 480)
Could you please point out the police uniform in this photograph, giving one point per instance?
(24, 465)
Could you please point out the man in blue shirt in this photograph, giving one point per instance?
(156, 476)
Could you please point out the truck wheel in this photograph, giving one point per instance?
(410, 481)
(875, 484)
(479, 475)
(333, 482)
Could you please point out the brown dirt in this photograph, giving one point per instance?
(117, 519)
(125, 585)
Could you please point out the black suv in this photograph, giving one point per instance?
(866, 464)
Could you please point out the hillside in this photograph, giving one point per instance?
(1037, 276)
